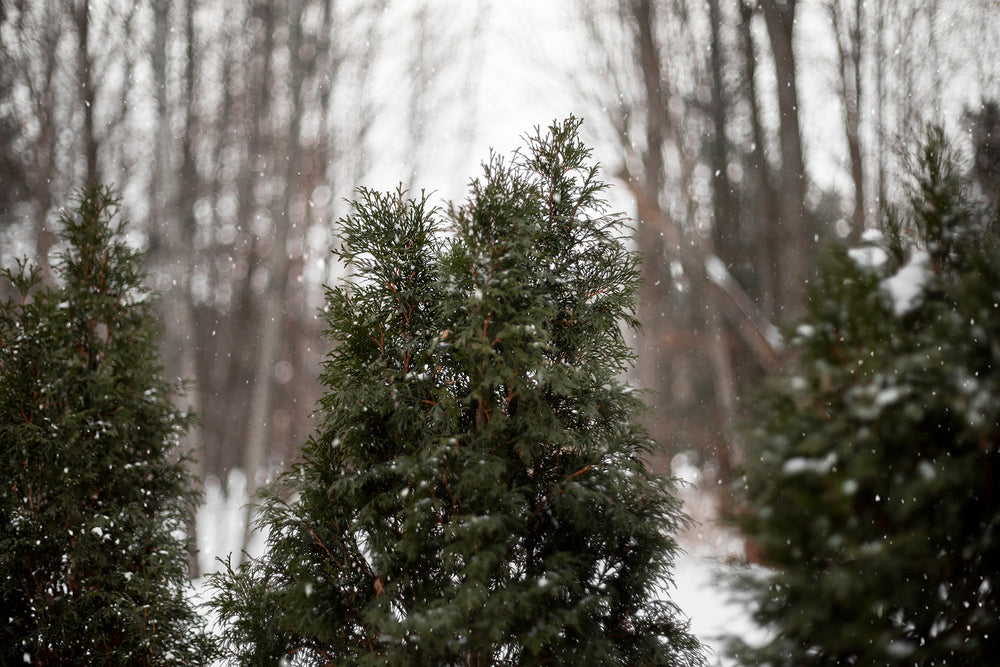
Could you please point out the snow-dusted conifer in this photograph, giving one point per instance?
(475, 494)
(872, 476)
(92, 569)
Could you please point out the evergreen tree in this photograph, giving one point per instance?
(93, 500)
(475, 494)
(872, 478)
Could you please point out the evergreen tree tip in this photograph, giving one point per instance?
(93, 494)
(870, 472)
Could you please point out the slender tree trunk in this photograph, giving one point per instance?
(849, 49)
(173, 199)
(880, 64)
(249, 318)
(728, 246)
(725, 224)
(269, 348)
(793, 243)
(762, 191)
(728, 450)
(81, 17)
(653, 370)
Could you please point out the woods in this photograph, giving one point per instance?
(744, 137)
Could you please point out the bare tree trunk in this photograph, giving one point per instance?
(793, 244)
(849, 35)
(725, 223)
(728, 245)
(728, 449)
(880, 64)
(268, 349)
(81, 17)
(246, 320)
(173, 195)
(653, 372)
(762, 192)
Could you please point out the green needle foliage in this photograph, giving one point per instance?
(475, 494)
(92, 496)
(873, 476)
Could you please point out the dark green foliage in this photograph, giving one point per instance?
(475, 494)
(872, 477)
(92, 571)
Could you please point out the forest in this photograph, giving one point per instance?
(770, 155)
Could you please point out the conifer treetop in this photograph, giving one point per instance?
(475, 492)
(92, 490)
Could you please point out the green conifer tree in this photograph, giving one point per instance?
(873, 473)
(93, 500)
(476, 493)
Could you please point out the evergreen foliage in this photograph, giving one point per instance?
(475, 494)
(872, 475)
(92, 568)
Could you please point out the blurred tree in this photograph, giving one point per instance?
(476, 492)
(711, 136)
(66, 111)
(92, 492)
(793, 238)
(848, 24)
(672, 99)
(872, 472)
(984, 124)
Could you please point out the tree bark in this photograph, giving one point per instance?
(85, 74)
(173, 201)
(761, 190)
(849, 35)
(269, 345)
(725, 224)
(792, 235)
(654, 230)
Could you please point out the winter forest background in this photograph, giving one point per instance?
(741, 135)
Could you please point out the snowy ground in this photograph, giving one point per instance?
(700, 575)
(711, 552)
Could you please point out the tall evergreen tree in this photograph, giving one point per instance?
(93, 499)
(475, 494)
(873, 475)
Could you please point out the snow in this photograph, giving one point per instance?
(868, 257)
(871, 235)
(798, 465)
(906, 286)
(712, 554)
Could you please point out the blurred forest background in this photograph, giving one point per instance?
(740, 134)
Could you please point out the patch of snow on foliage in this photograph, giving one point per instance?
(800, 464)
(907, 284)
(868, 257)
(872, 235)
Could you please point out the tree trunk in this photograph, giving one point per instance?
(792, 235)
(269, 345)
(725, 224)
(849, 49)
(85, 74)
(654, 311)
(761, 190)
(173, 201)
